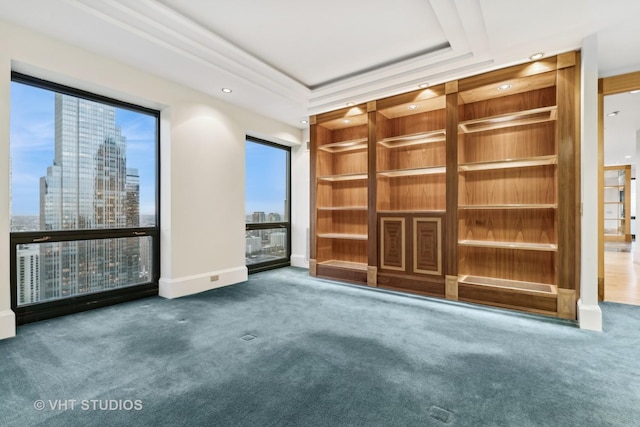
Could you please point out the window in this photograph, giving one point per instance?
(84, 199)
(267, 207)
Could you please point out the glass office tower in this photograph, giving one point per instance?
(88, 187)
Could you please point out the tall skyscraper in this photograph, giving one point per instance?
(88, 187)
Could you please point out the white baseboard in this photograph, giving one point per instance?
(589, 317)
(7, 324)
(183, 286)
(299, 261)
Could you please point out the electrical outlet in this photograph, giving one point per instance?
(213, 278)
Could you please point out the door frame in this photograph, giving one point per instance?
(607, 86)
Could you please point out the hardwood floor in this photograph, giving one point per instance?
(621, 274)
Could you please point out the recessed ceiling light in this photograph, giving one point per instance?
(536, 56)
(350, 104)
(627, 157)
(633, 92)
(304, 122)
(423, 85)
(613, 114)
(412, 107)
(226, 90)
(346, 121)
(504, 87)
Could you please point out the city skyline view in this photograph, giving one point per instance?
(265, 179)
(84, 182)
(32, 136)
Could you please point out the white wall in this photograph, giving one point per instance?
(202, 162)
(300, 211)
(589, 313)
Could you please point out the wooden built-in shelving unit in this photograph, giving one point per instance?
(617, 203)
(461, 190)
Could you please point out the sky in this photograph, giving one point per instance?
(266, 178)
(32, 142)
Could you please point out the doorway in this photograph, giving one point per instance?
(619, 136)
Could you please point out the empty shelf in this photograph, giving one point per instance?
(346, 236)
(520, 118)
(337, 147)
(345, 264)
(515, 285)
(413, 139)
(344, 177)
(509, 163)
(413, 172)
(547, 247)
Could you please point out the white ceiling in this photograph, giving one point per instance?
(288, 59)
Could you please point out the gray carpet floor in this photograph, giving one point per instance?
(284, 349)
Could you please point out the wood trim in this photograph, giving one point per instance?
(601, 292)
(313, 267)
(523, 70)
(567, 304)
(313, 213)
(451, 216)
(568, 209)
(567, 59)
(341, 113)
(313, 120)
(402, 246)
(600, 289)
(371, 106)
(432, 92)
(451, 288)
(438, 252)
(607, 86)
(451, 87)
(619, 84)
(372, 276)
(577, 161)
(372, 227)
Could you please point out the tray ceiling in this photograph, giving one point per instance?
(287, 59)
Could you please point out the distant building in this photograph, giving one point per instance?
(253, 245)
(88, 187)
(28, 273)
(278, 239)
(258, 217)
(274, 217)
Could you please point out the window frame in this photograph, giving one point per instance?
(281, 262)
(74, 304)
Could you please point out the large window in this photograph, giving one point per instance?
(84, 199)
(267, 209)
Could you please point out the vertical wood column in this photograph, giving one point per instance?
(568, 122)
(372, 242)
(600, 191)
(451, 216)
(313, 149)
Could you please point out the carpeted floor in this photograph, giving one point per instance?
(285, 349)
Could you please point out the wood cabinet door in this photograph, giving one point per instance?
(393, 250)
(427, 245)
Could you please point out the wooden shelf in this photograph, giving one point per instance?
(343, 177)
(413, 172)
(338, 147)
(514, 285)
(509, 163)
(545, 247)
(343, 208)
(509, 206)
(410, 211)
(413, 139)
(344, 236)
(520, 118)
(345, 264)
